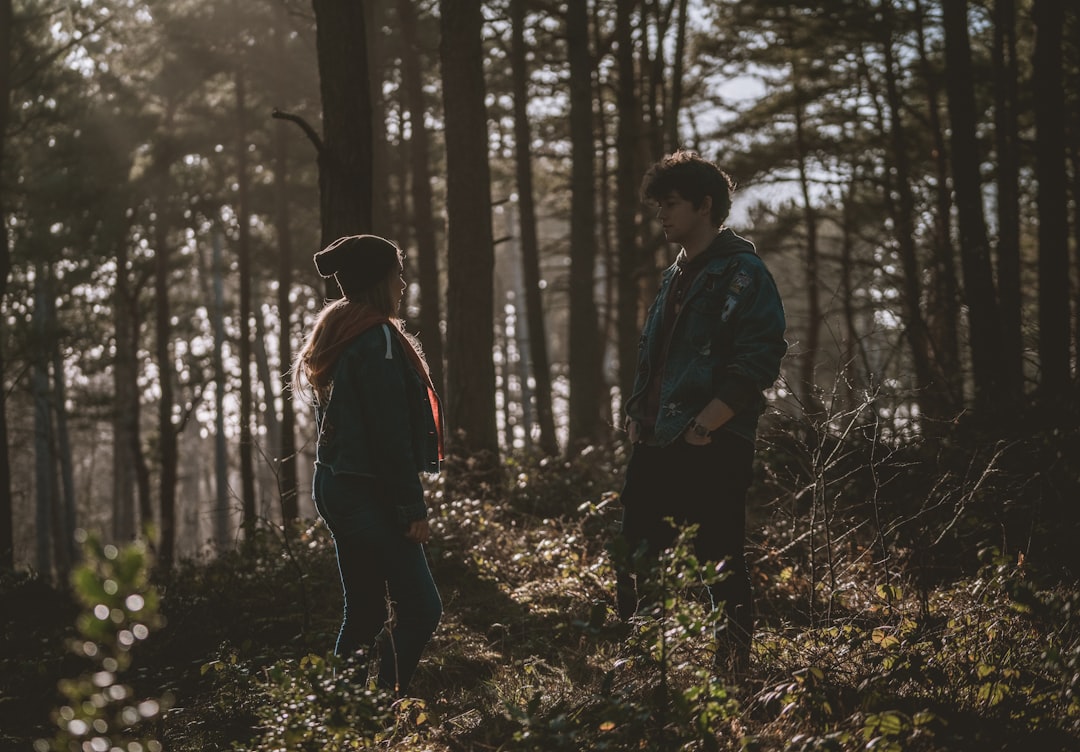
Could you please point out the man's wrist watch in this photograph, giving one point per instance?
(698, 429)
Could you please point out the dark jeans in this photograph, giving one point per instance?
(374, 559)
(705, 485)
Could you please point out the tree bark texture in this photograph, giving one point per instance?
(222, 534)
(423, 211)
(983, 314)
(470, 370)
(164, 152)
(626, 198)
(943, 310)
(243, 254)
(931, 388)
(45, 485)
(1006, 140)
(1052, 199)
(530, 244)
(125, 385)
(7, 537)
(287, 478)
(586, 388)
(346, 159)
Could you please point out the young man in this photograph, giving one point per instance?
(712, 341)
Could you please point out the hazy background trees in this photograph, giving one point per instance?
(908, 169)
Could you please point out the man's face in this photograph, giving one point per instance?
(680, 219)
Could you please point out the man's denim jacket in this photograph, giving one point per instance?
(727, 342)
(378, 422)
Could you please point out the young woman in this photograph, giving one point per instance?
(379, 426)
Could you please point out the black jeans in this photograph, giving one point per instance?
(705, 485)
(375, 559)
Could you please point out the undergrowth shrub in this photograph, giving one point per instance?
(316, 704)
(664, 691)
(120, 608)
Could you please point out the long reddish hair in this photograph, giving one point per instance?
(341, 321)
(337, 324)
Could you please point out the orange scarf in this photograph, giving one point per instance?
(324, 359)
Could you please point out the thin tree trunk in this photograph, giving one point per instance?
(585, 387)
(7, 521)
(470, 373)
(272, 448)
(654, 72)
(626, 198)
(243, 253)
(530, 245)
(427, 258)
(382, 163)
(125, 387)
(943, 315)
(1006, 138)
(1050, 157)
(222, 533)
(164, 154)
(983, 314)
(346, 155)
(44, 464)
(677, 66)
(916, 329)
(808, 358)
(163, 348)
(65, 500)
(287, 480)
(854, 378)
(604, 233)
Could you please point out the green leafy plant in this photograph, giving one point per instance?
(315, 704)
(120, 609)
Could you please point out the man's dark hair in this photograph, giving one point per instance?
(694, 178)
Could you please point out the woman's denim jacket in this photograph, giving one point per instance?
(378, 422)
(727, 342)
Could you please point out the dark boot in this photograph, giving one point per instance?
(733, 640)
(626, 599)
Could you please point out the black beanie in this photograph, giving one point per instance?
(357, 262)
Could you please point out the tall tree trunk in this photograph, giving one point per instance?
(125, 387)
(929, 387)
(287, 479)
(1053, 189)
(808, 358)
(7, 520)
(272, 446)
(222, 534)
(167, 436)
(44, 462)
(943, 314)
(1074, 117)
(243, 252)
(854, 351)
(677, 66)
(585, 384)
(983, 314)
(1007, 138)
(653, 70)
(427, 257)
(65, 499)
(626, 198)
(530, 244)
(346, 156)
(382, 161)
(470, 372)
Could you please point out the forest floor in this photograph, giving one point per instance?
(530, 654)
